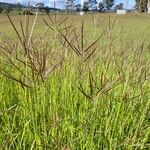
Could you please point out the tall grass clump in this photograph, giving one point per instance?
(81, 89)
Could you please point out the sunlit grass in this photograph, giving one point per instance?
(83, 85)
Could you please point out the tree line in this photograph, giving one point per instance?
(71, 5)
(20, 9)
(104, 6)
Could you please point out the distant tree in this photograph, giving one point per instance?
(92, 3)
(47, 9)
(40, 6)
(70, 5)
(101, 6)
(119, 6)
(18, 7)
(1, 10)
(7, 9)
(78, 7)
(109, 4)
(18, 4)
(85, 6)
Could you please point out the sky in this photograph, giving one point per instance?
(127, 3)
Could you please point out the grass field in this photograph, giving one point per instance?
(70, 82)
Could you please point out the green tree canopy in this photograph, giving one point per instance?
(119, 6)
(109, 4)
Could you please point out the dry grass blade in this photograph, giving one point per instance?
(90, 55)
(111, 25)
(71, 45)
(27, 22)
(41, 36)
(15, 79)
(108, 87)
(22, 31)
(51, 69)
(62, 22)
(25, 37)
(50, 19)
(82, 36)
(18, 69)
(109, 22)
(31, 33)
(15, 29)
(90, 46)
(91, 84)
(48, 25)
(83, 92)
(66, 28)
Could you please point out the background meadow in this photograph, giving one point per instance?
(75, 82)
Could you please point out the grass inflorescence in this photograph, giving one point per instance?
(73, 85)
